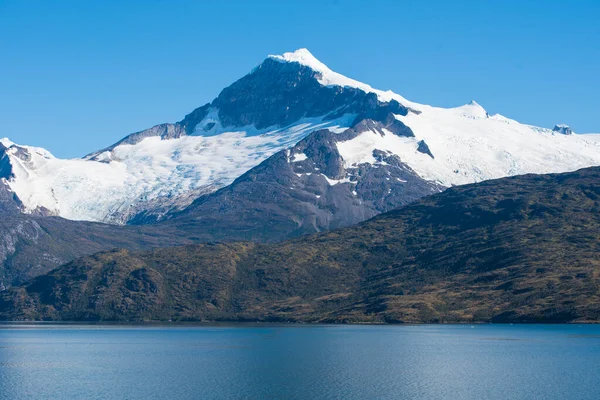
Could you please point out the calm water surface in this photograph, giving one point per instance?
(297, 362)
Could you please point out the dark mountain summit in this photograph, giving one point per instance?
(280, 93)
(274, 94)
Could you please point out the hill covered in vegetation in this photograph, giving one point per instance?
(519, 249)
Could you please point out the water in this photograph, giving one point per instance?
(297, 362)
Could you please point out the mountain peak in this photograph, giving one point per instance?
(6, 142)
(327, 77)
(473, 110)
(304, 57)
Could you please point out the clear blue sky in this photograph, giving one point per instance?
(76, 76)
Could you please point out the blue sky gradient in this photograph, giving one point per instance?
(76, 76)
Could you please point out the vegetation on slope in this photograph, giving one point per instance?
(516, 249)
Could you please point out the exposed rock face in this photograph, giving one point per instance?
(563, 129)
(10, 204)
(423, 148)
(5, 165)
(276, 94)
(307, 189)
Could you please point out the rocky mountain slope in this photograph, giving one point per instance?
(152, 174)
(523, 249)
(33, 245)
(307, 189)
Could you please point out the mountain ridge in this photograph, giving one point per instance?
(517, 249)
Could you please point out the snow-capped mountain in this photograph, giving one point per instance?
(283, 102)
(466, 143)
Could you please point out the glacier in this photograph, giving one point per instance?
(119, 183)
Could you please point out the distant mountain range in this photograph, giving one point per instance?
(519, 249)
(292, 148)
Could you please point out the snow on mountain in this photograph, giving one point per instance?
(6, 142)
(148, 173)
(471, 149)
(278, 104)
(327, 77)
(468, 144)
